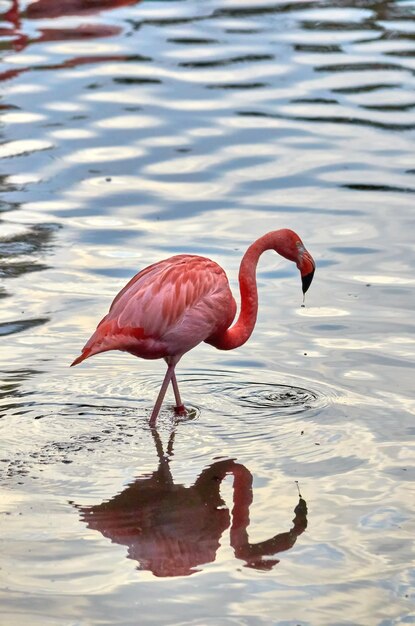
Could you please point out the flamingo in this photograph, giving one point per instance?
(171, 306)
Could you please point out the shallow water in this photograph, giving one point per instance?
(151, 128)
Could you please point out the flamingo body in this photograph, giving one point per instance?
(166, 310)
(173, 305)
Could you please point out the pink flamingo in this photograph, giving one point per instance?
(170, 307)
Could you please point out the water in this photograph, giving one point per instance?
(146, 129)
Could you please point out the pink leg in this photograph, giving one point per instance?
(162, 393)
(179, 408)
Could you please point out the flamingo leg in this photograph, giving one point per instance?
(162, 393)
(179, 408)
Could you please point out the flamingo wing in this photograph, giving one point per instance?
(166, 309)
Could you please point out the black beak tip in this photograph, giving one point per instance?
(307, 280)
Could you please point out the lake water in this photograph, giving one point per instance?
(132, 131)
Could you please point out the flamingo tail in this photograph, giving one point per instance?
(85, 354)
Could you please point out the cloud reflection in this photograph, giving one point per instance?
(172, 530)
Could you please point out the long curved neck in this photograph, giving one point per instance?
(240, 332)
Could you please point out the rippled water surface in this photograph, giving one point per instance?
(132, 131)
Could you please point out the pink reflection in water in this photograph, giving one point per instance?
(18, 39)
(171, 530)
(54, 8)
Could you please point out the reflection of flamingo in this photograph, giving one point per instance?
(47, 9)
(172, 529)
(172, 306)
(51, 8)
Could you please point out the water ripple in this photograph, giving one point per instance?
(280, 399)
(136, 130)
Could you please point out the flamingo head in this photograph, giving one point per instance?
(289, 245)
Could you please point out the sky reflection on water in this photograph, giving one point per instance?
(145, 129)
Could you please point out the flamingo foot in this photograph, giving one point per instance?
(180, 409)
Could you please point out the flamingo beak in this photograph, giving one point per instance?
(307, 268)
(307, 279)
